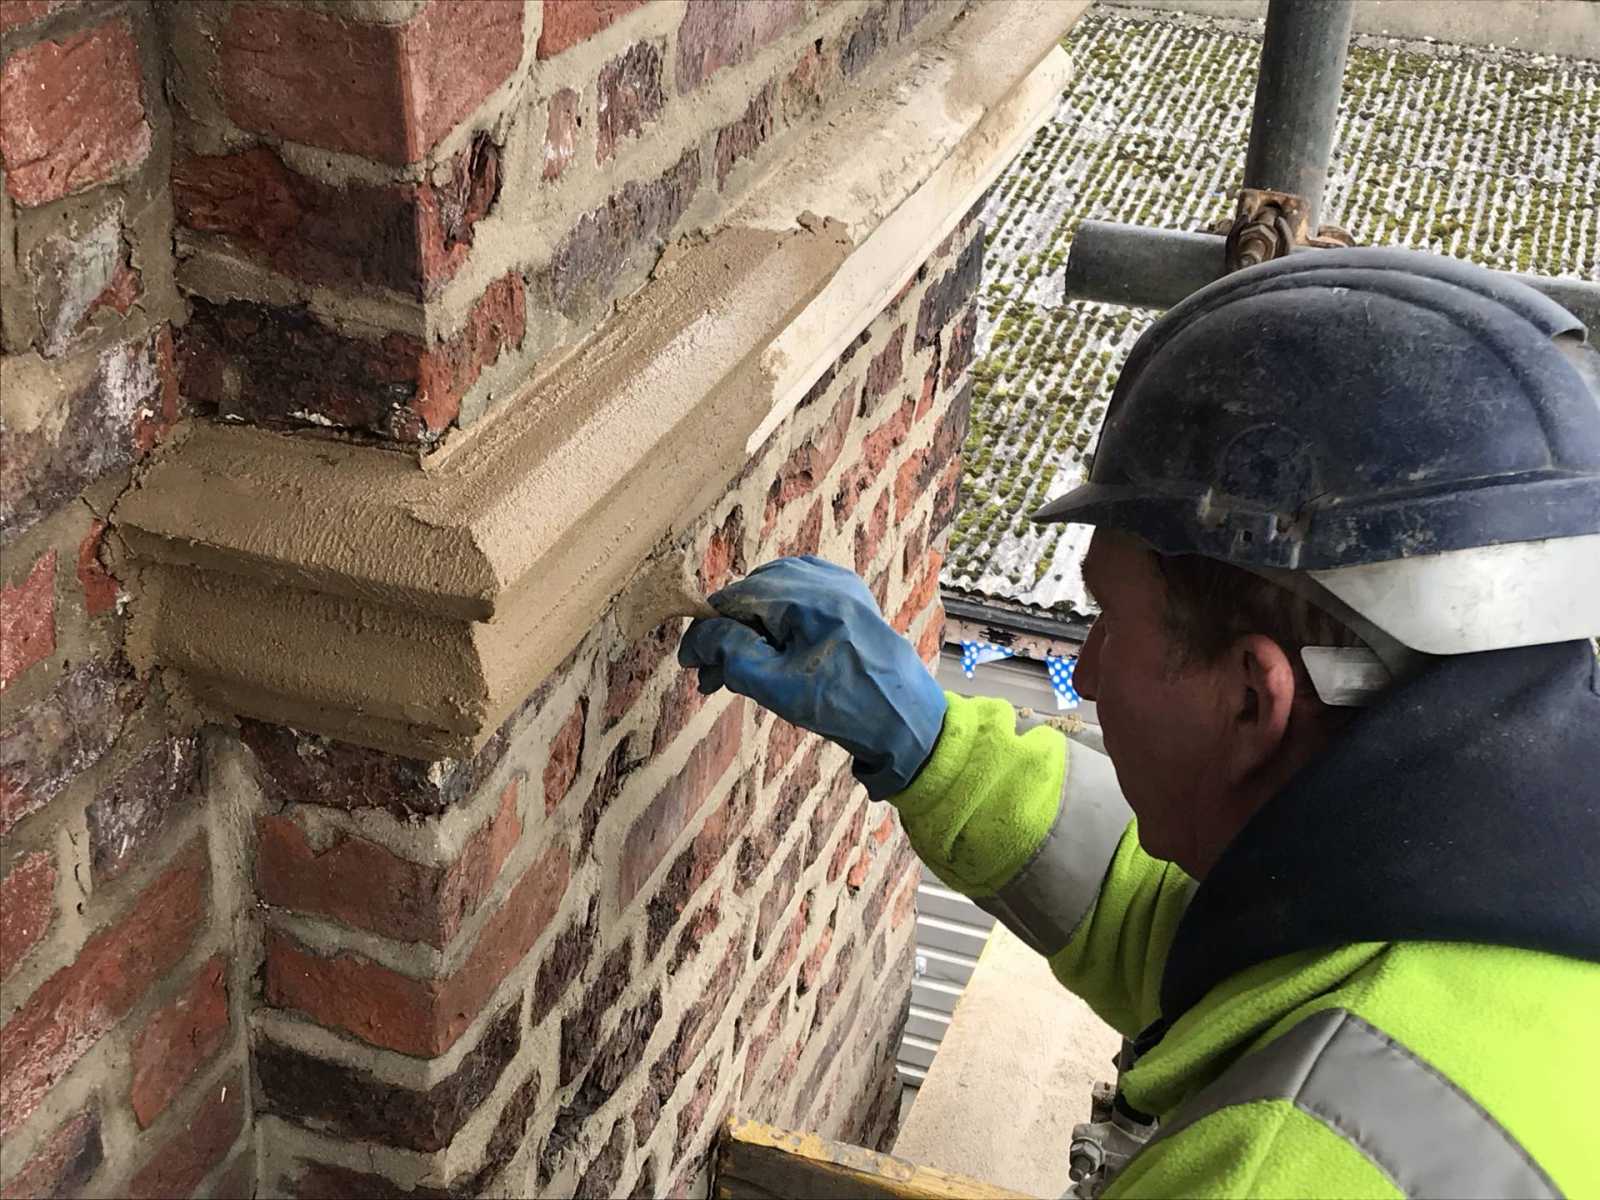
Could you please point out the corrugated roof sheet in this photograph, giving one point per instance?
(1490, 155)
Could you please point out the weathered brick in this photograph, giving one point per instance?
(912, 12)
(610, 239)
(930, 387)
(27, 906)
(97, 584)
(366, 886)
(811, 968)
(724, 553)
(399, 1012)
(568, 22)
(695, 865)
(76, 274)
(388, 92)
(763, 840)
(876, 449)
(70, 1011)
(931, 642)
(567, 957)
(922, 596)
(869, 36)
(946, 295)
(805, 87)
(679, 704)
(759, 1045)
(566, 755)
(411, 237)
(869, 533)
(580, 1028)
(806, 467)
(858, 870)
(28, 620)
(74, 114)
(828, 994)
(784, 740)
(619, 765)
(745, 136)
(14, 14)
(298, 768)
(336, 1097)
(238, 1182)
(281, 365)
(830, 807)
(561, 133)
(68, 1157)
(913, 551)
(55, 740)
(658, 826)
(599, 1181)
(811, 1090)
(627, 676)
(164, 405)
(905, 901)
(701, 1019)
(130, 814)
(722, 33)
(628, 97)
(698, 928)
(178, 1039)
(958, 356)
(693, 1114)
(808, 538)
(776, 899)
(847, 844)
(177, 1167)
(946, 499)
(510, 1129)
(89, 432)
(885, 370)
(920, 469)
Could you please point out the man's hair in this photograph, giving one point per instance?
(1210, 604)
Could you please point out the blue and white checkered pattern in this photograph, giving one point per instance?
(975, 654)
(1061, 671)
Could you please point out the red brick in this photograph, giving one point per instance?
(208, 1133)
(946, 498)
(561, 133)
(69, 1155)
(869, 534)
(885, 370)
(858, 871)
(784, 740)
(388, 92)
(628, 97)
(678, 707)
(885, 829)
(319, 1181)
(963, 335)
(745, 136)
(811, 969)
(240, 1181)
(909, 482)
(805, 88)
(626, 678)
(947, 294)
(905, 901)
(805, 468)
(154, 420)
(74, 114)
(16, 13)
(759, 1045)
(75, 275)
(780, 890)
(930, 390)
(568, 22)
(178, 1039)
(808, 538)
(659, 825)
(27, 906)
(72, 1009)
(931, 642)
(98, 585)
(876, 449)
(366, 886)
(422, 1017)
(848, 843)
(925, 594)
(693, 1114)
(912, 551)
(724, 554)
(566, 753)
(130, 815)
(411, 237)
(722, 33)
(28, 620)
(293, 368)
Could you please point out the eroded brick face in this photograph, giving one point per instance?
(629, 97)
(74, 113)
(722, 34)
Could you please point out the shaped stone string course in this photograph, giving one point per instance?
(356, 354)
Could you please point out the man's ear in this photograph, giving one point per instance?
(1261, 693)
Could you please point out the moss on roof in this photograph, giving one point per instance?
(1485, 154)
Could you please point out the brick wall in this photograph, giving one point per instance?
(554, 968)
(237, 957)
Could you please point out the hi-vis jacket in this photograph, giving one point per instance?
(1390, 982)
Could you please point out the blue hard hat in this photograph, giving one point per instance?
(1345, 407)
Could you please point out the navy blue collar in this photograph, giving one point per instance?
(1464, 807)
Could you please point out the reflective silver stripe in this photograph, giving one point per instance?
(1045, 900)
(1427, 1135)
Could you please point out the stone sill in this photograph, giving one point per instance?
(359, 594)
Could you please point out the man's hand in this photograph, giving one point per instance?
(804, 638)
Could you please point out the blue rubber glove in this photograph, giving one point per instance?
(804, 638)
